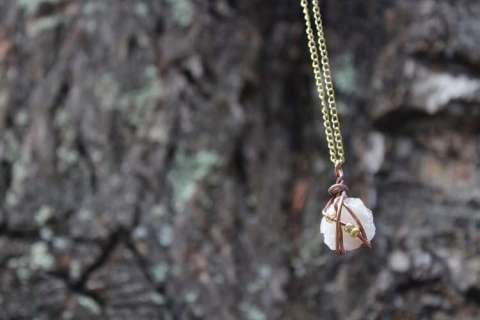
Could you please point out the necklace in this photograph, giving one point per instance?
(347, 223)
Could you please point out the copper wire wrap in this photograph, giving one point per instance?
(338, 193)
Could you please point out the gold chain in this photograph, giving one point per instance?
(323, 81)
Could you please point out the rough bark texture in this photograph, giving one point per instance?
(154, 157)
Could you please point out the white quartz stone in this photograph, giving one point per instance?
(328, 228)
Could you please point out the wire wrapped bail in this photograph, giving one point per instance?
(339, 187)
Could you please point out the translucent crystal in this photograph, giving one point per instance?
(328, 227)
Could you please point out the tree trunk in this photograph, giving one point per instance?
(166, 160)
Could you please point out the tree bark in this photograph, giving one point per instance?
(166, 160)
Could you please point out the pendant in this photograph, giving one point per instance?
(347, 223)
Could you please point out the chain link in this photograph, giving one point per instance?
(323, 80)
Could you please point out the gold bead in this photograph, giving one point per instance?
(330, 219)
(355, 232)
(352, 230)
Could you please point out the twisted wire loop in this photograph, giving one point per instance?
(338, 193)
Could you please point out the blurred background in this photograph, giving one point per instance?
(166, 160)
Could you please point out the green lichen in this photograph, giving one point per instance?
(85, 215)
(159, 272)
(159, 211)
(157, 298)
(251, 312)
(182, 11)
(41, 25)
(262, 280)
(37, 259)
(31, 6)
(139, 104)
(345, 74)
(11, 199)
(165, 235)
(43, 215)
(89, 304)
(10, 145)
(21, 118)
(191, 297)
(67, 156)
(92, 7)
(21, 171)
(40, 258)
(21, 267)
(145, 99)
(62, 118)
(75, 269)
(187, 171)
(10, 150)
(44, 23)
(24, 274)
(141, 9)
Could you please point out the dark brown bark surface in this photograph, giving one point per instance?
(154, 158)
